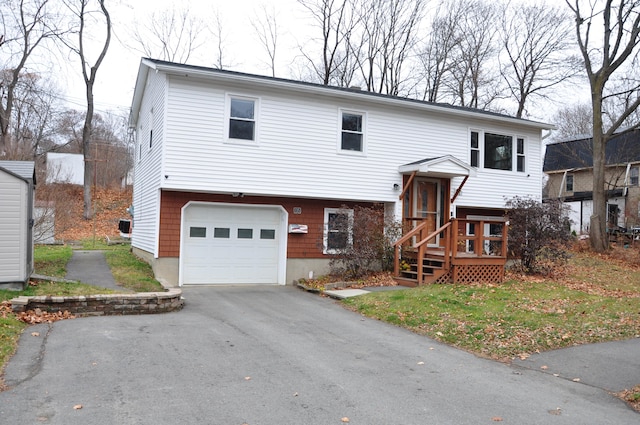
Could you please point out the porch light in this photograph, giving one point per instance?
(396, 187)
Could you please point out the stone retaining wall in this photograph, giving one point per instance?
(104, 305)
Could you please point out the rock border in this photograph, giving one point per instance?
(103, 305)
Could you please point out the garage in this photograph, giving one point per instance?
(233, 244)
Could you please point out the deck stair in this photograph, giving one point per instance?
(459, 256)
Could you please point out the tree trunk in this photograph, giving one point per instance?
(89, 163)
(597, 230)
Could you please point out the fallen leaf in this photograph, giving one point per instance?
(576, 379)
(544, 367)
(557, 411)
(431, 348)
(420, 363)
(439, 333)
(77, 407)
(247, 378)
(345, 419)
(496, 419)
(295, 394)
(35, 333)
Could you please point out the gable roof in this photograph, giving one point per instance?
(172, 68)
(578, 153)
(24, 170)
(442, 166)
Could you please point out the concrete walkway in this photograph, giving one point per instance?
(91, 267)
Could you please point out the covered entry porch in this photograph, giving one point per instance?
(437, 247)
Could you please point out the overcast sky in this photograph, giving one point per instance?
(116, 76)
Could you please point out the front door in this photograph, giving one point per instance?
(422, 204)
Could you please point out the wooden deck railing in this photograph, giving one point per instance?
(454, 241)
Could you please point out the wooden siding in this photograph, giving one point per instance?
(148, 169)
(307, 245)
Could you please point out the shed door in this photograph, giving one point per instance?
(229, 244)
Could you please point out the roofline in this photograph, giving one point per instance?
(306, 87)
(26, 180)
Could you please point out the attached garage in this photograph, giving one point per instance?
(232, 244)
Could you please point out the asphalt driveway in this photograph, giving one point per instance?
(275, 356)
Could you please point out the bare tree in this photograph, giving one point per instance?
(171, 34)
(573, 121)
(473, 80)
(435, 56)
(335, 20)
(604, 62)
(390, 34)
(266, 27)
(536, 39)
(85, 17)
(28, 24)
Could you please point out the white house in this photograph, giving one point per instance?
(238, 176)
(65, 168)
(17, 180)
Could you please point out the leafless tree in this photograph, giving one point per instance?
(265, 26)
(573, 121)
(336, 21)
(171, 34)
(536, 39)
(390, 33)
(89, 21)
(435, 55)
(35, 111)
(473, 80)
(605, 60)
(27, 25)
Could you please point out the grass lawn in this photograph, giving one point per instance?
(595, 299)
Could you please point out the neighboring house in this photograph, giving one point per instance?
(17, 181)
(569, 167)
(65, 168)
(239, 177)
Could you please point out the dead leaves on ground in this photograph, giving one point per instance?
(34, 317)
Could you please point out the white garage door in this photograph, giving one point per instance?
(232, 244)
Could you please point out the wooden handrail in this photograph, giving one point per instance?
(432, 235)
(411, 234)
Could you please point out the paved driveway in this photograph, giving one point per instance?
(275, 356)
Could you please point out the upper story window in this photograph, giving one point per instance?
(569, 183)
(633, 176)
(497, 151)
(352, 132)
(338, 223)
(242, 118)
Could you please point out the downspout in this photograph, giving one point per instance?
(626, 180)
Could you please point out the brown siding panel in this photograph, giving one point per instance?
(307, 245)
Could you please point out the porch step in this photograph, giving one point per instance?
(432, 269)
(403, 281)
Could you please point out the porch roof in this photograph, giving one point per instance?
(447, 166)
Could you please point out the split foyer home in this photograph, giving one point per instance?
(239, 177)
(569, 169)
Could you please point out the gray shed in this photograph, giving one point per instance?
(17, 182)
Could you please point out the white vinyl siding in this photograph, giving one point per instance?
(148, 171)
(297, 157)
(13, 228)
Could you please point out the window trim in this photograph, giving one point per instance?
(227, 119)
(635, 169)
(481, 149)
(363, 115)
(325, 231)
(566, 183)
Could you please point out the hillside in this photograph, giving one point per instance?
(110, 206)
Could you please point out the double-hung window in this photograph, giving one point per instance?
(633, 176)
(569, 183)
(242, 118)
(338, 226)
(352, 131)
